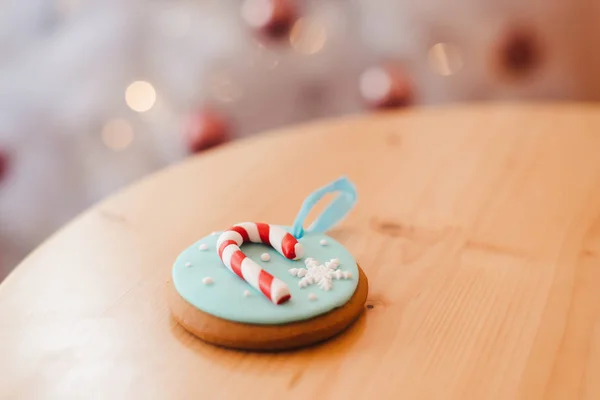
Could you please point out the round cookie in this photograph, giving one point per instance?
(258, 286)
(246, 336)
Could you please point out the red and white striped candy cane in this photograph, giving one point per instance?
(228, 247)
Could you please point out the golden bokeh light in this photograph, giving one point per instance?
(308, 36)
(445, 59)
(140, 96)
(117, 134)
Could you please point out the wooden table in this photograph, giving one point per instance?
(478, 226)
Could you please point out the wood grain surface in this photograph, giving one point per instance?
(478, 227)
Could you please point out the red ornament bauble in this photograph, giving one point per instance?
(207, 129)
(3, 164)
(519, 52)
(385, 86)
(273, 18)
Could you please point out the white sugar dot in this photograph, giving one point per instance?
(214, 233)
(312, 296)
(203, 247)
(335, 260)
(188, 264)
(323, 242)
(208, 280)
(265, 257)
(246, 293)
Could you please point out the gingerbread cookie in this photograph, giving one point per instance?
(270, 287)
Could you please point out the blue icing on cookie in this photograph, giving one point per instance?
(224, 298)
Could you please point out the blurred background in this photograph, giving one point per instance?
(95, 94)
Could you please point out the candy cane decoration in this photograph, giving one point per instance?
(236, 261)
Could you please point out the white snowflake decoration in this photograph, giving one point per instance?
(319, 274)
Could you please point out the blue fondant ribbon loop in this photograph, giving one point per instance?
(333, 214)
